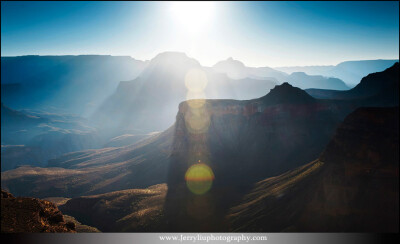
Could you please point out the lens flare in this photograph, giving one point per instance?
(196, 99)
(196, 80)
(197, 120)
(199, 178)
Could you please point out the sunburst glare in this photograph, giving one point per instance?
(193, 16)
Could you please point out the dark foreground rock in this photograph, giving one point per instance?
(23, 215)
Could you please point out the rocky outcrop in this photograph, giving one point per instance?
(23, 215)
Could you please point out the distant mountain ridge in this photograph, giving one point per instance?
(304, 81)
(350, 72)
(237, 70)
(103, 87)
(381, 86)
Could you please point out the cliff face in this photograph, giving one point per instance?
(360, 187)
(352, 187)
(23, 215)
(367, 137)
(239, 140)
(242, 142)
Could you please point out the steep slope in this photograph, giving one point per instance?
(24, 215)
(352, 187)
(74, 84)
(121, 211)
(95, 171)
(242, 142)
(149, 103)
(127, 139)
(378, 87)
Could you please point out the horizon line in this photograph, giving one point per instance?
(147, 60)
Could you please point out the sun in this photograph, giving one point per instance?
(193, 16)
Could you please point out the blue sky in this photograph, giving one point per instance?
(257, 33)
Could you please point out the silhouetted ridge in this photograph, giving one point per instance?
(287, 94)
(231, 61)
(173, 58)
(379, 81)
